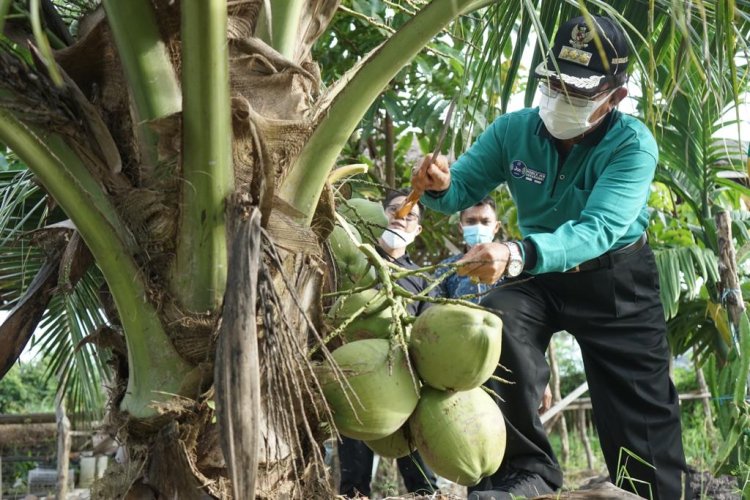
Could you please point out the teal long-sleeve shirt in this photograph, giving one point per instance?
(572, 208)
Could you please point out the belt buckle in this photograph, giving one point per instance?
(574, 269)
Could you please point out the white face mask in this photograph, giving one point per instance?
(396, 239)
(564, 120)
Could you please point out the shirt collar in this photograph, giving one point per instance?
(403, 261)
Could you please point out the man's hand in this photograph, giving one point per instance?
(485, 262)
(431, 175)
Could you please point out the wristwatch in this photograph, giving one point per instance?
(515, 259)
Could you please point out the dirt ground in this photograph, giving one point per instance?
(387, 485)
(706, 487)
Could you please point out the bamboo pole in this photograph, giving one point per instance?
(565, 402)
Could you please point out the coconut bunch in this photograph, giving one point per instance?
(443, 412)
(457, 428)
(361, 218)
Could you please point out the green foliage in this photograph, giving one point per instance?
(728, 381)
(577, 460)
(9, 162)
(73, 313)
(27, 389)
(698, 436)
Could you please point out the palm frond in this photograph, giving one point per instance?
(71, 316)
(682, 270)
(60, 340)
(700, 326)
(23, 207)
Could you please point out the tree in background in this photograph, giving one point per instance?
(27, 389)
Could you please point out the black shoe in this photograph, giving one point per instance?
(514, 483)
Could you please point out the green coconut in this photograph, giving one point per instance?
(394, 446)
(374, 321)
(460, 435)
(353, 267)
(384, 386)
(368, 216)
(456, 347)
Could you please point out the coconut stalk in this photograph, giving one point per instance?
(145, 60)
(156, 370)
(352, 96)
(154, 89)
(43, 42)
(200, 268)
(278, 28)
(4, 9)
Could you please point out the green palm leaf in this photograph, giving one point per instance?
(71, 314)
(70, 319)
(680, 270)
(22, 208)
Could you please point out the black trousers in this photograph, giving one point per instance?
(356, 470)
(616, 316)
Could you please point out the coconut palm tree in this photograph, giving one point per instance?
(176, 198)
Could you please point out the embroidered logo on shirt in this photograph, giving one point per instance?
(519, 170)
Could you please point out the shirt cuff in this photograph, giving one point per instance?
(436, 194)
(528, 249)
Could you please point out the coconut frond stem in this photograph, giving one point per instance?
(199, 275)
(82, 197)
(346, 103)
(144, 56)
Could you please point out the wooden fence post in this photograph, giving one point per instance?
(556, 397)
(63, 446)
(585, 438)
(707, 413)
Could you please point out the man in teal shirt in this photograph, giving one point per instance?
(579, 172)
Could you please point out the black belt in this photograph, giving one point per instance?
(610, 258)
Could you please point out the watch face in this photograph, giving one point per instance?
(515, 267)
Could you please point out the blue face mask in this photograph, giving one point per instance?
(478, 233)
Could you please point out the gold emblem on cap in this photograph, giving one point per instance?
(581, 36)
(575, 55)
